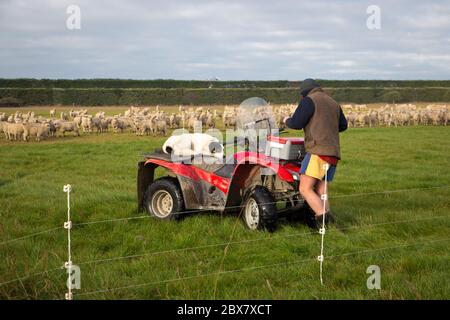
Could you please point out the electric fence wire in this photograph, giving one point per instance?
(207, 210)
(278, 265)
(207, 245)
(153, 253)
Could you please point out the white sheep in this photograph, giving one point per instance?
(38, 130)
(68, 126)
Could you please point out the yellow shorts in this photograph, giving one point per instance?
(313, 166)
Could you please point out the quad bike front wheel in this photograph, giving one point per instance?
(260, 210)
(164, 200)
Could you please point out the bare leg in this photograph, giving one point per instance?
(307, 190)
(320, 190)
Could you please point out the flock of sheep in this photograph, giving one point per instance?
(142, 121)
(396, 115)
(154, 121)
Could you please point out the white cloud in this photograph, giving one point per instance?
(346, 63)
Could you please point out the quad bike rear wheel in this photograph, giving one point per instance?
(163, 199)
(260, 210)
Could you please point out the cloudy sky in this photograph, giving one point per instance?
(229, 39)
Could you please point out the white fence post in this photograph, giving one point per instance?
(68, 225)
(324, 197)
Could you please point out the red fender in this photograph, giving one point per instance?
(194, 173)
(265, 161)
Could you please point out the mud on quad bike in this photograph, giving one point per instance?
(257, 182)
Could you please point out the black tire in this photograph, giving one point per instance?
(164, 191)
(267, 210)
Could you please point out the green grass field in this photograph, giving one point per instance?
(405, 233)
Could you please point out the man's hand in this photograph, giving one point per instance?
(285, 119)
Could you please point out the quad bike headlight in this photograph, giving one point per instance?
(295, 175)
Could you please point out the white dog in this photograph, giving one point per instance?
(191, 144)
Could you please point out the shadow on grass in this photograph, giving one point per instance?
(4, 182)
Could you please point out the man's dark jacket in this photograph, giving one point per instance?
(322, 119)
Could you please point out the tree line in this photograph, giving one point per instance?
(202, 96)
(199, 84)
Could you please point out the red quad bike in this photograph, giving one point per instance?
(264, 183)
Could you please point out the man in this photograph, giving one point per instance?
(322, 119)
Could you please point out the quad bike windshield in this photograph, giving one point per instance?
(255, 121)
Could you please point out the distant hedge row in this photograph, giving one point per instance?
(98, 96)
(195, 84)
